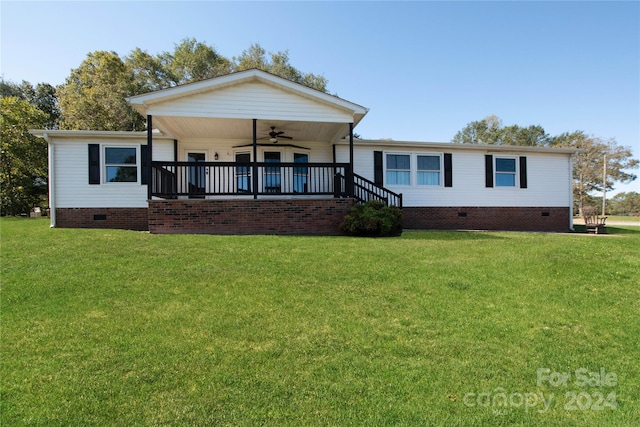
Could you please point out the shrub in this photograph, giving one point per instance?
(373, 218)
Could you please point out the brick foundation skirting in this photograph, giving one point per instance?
(487, 218)
(290, 216)
(121, 218)
(302, 216)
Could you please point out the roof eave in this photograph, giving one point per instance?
(471, 147)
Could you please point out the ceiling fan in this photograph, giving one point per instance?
(274, 136)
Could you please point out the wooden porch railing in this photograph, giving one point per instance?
(365, 190)
(170, 180)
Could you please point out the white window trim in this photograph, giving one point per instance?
(104, 164)
(386, 169)
(516, 173)
(440, 171)
(413, 169)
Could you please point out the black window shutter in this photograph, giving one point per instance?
(488, 170)
(448, 170)
(94, 163)
(377, 168)
(523, 172)
(144, 162)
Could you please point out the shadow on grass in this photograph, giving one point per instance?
(623, 229)
(449, 235)
(612, 229)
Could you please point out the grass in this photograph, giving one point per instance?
(112, 327)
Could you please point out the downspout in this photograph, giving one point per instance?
(52, 192)
(350, 181)
(571, 227)
(150, 156)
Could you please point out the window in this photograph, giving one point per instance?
(120, 164)
(428, 170)
(505, 172)
(398, 169)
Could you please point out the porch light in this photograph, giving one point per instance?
(215, 156)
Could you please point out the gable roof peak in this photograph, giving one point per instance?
(141, 102)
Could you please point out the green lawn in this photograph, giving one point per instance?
(112, 327)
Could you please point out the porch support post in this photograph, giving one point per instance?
(149, 155)
(349, 177)
(254, 173)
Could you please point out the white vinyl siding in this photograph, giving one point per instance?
(72, 188)
(548, 176)
(252, 101)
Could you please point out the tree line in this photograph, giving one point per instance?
(93, 97)
(588, 164)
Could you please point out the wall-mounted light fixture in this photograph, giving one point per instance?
(215, 156)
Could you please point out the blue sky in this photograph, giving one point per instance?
(424, 69)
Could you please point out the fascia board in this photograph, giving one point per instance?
(488, 148)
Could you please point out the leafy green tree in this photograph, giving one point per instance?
(490, 131)
(93, 96)
(149, 73)
(192, 61)
(277, 63)
(588, 164)
(43, 97)
(23, 165)
(625, 204)
(532, 136)
(485, 131)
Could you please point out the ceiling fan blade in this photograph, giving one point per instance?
(285, 137)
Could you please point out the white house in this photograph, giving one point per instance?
(251, 152)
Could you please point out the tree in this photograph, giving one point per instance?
(192, 61)
(588, 164)
(43, 97)
(625, 204)
(278, 63)
(485, 131)
(23, 166)
(148, 71)
(490, 131)
(93, 96)
(189, 62)
(532, 136)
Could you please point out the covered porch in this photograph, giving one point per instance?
(251, 134)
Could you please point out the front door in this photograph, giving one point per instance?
(197, 175)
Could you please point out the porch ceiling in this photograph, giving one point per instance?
(242, 129)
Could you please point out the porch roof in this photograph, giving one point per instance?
(224, 107)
